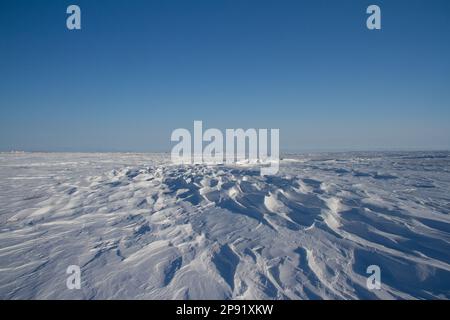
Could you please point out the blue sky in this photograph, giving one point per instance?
(139, 69)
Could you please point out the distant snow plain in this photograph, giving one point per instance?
(142, 228)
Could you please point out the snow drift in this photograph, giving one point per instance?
(141, 228)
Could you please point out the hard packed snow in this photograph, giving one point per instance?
(142, 228)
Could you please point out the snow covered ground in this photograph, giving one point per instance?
(142, 228)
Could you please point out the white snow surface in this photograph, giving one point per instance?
(142, 228)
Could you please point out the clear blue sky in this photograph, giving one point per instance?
(139, 69)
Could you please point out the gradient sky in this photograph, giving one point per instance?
(139, 69)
